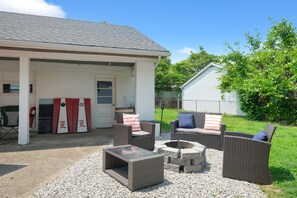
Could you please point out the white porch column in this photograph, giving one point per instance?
(24, 101)
(145, 90)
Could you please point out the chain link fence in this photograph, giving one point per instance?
(210, 106)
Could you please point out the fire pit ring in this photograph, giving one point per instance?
(182, 156)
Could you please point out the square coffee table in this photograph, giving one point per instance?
(132, 166)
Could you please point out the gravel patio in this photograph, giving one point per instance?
(85, 178)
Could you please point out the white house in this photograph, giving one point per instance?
(201, 94)
(67, 58)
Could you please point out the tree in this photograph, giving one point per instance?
(193, 64)
(162, 75)
(169, 77)
(265, 79)
(197, 61)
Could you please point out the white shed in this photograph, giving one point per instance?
(201, 93)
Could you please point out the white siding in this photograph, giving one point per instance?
(75, 81)
(9, 73)
(145, 93)
(202, 94)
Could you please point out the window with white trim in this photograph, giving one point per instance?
(14, 88)
(104, 92)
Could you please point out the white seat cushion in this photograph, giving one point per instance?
(140, 133)
(209, 132)
(198, 130)
(194, 130)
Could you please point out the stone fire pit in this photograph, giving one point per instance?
(182, 156)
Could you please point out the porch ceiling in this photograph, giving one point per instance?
(86, 62)
(102, 63)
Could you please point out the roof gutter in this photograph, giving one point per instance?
(158, 62)
(79, 48)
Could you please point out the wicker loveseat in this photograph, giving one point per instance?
(209, 138)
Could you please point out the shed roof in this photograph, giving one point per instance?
(51, 30)
(201, 72)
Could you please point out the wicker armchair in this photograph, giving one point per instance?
(123, 134)
(247, 159)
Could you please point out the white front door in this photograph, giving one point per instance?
(104, 102)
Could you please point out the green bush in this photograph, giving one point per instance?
(265, 79)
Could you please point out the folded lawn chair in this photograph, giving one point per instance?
(9, 120)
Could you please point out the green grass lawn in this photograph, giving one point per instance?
(283, 154)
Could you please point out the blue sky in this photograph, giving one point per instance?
(178, 25)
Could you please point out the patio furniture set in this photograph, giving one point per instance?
(132, 162)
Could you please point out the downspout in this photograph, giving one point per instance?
(178, 98)
(159, 59)
(178, 101)
(156, 65)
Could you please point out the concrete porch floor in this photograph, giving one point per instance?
(24, 169)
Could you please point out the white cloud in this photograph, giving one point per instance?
(36, 7)
(181, 54)
(187, 50)
(177, 57)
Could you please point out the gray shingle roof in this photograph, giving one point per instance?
(41, 29)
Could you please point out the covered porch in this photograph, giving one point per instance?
(59, 74)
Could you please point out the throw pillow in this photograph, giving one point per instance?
(213, 122)
(261, 135)
(186, 120)
(132, 120)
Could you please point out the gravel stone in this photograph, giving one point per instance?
(86, 179)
